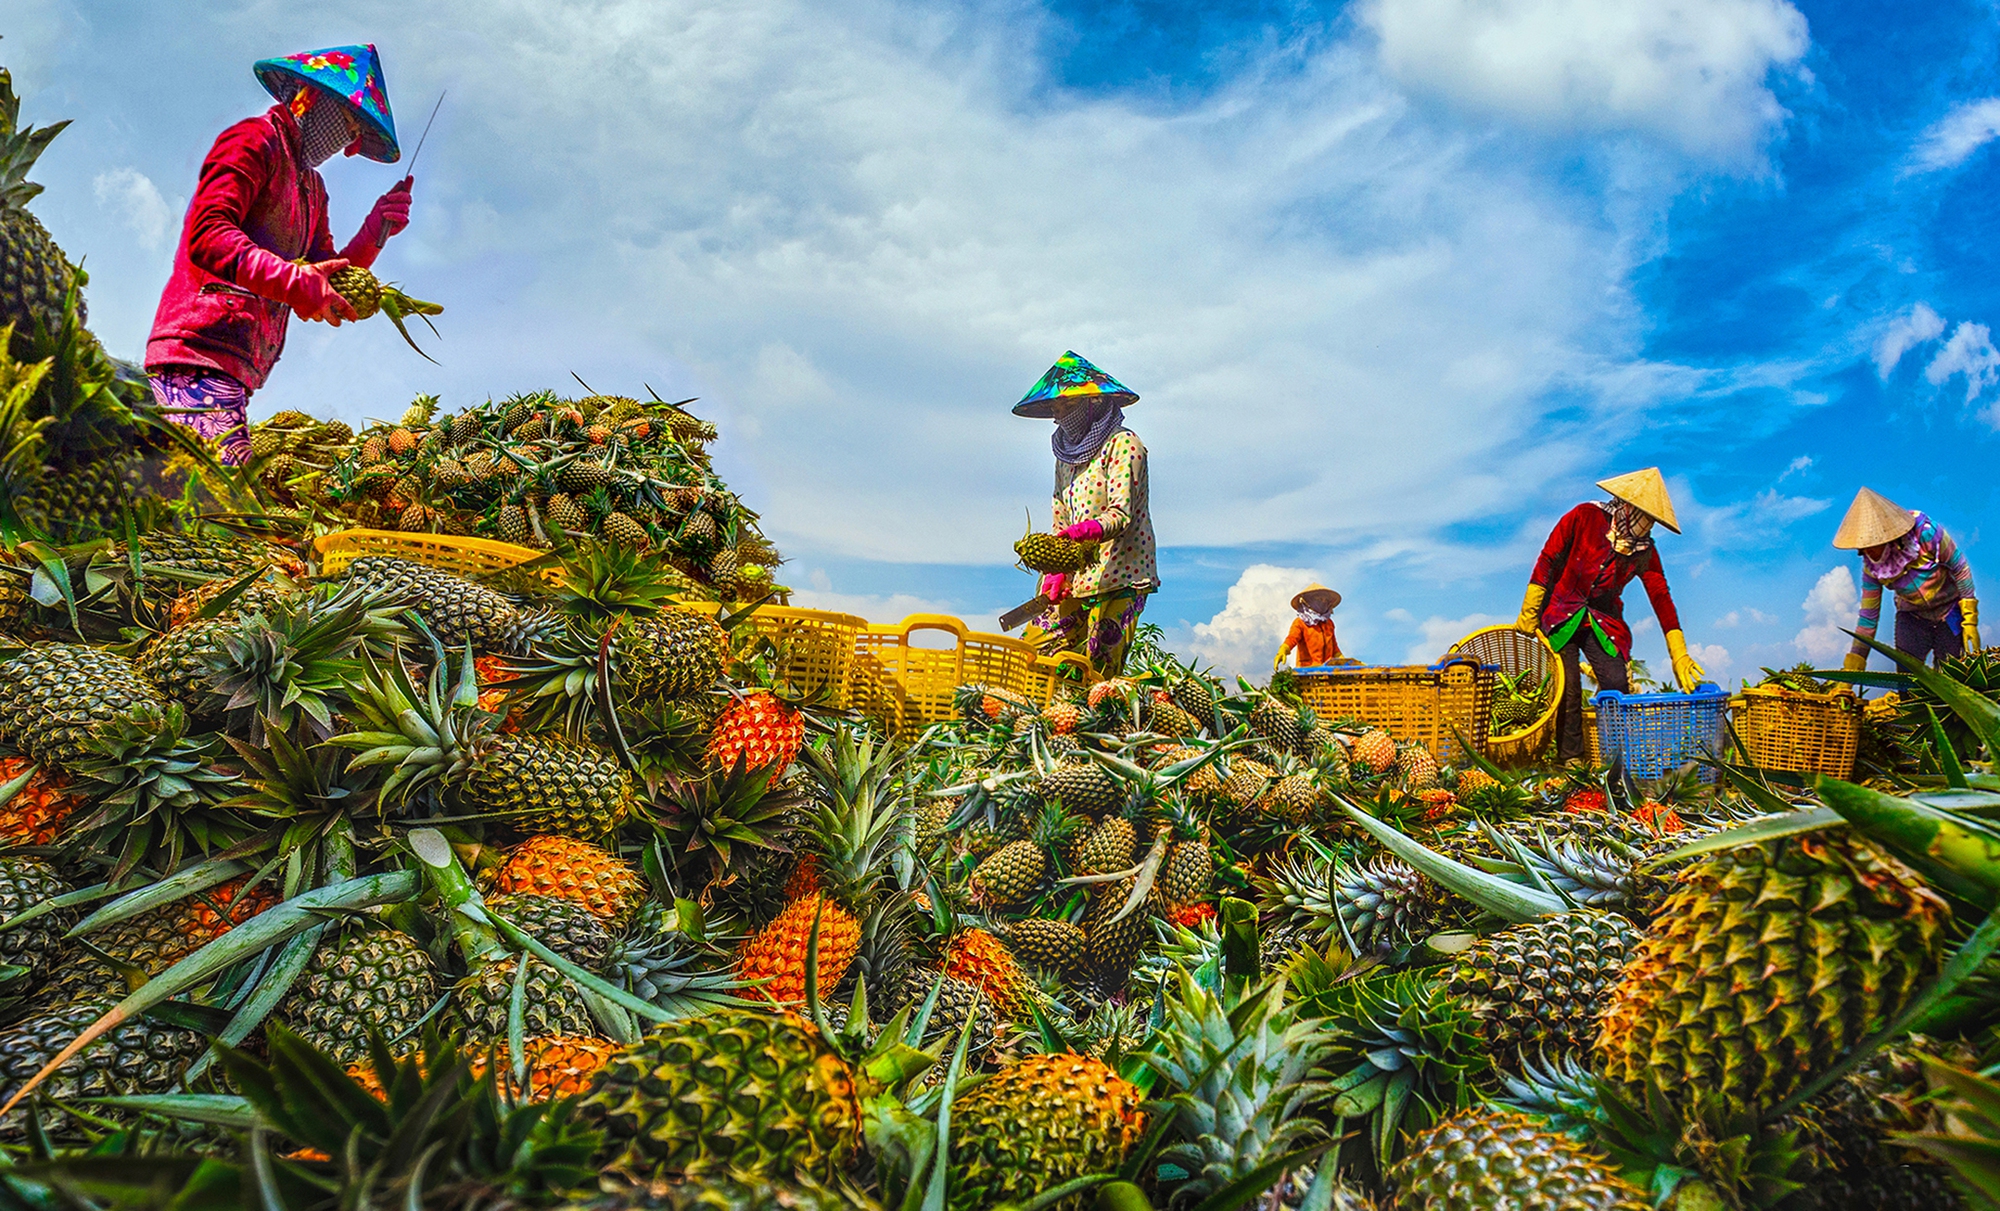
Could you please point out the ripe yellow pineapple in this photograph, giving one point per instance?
(573, 870)
(1376, 750)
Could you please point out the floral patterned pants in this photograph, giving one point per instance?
(1100, 627)
(211, 403)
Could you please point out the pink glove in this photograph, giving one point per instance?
(391, 213)
(1055, 586)
(1084, 531)
(303, 288)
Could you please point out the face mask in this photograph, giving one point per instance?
(324, 131)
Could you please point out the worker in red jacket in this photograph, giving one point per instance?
(1576, 595)
(255, 250)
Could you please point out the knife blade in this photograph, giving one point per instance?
(1026, 610)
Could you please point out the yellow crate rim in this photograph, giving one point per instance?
(342, 546)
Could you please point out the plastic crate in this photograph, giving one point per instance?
(1658, 733)
(469, 557)
(815, 647)
(1515, 651)
(1424, 704)
(1801, 733)
(911, 685)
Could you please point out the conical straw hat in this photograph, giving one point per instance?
(1872, 520)
(1646, 492)
(1317, 595)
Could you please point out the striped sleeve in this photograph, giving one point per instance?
(1871, 614)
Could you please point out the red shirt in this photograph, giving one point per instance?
(1581, 571)
(255, 206)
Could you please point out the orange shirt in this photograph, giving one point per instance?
(1314, 642)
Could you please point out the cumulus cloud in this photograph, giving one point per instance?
(1970, 353)
(1714, 660)
(1244, 636)
(138, 203)
(819, 593)
(1439, 633)
(1744, 614)
(1904, 333)
(1952, 139)
(1829, 608)
(1691, 72)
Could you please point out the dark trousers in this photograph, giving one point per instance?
(1610, 673)
(1923, 637)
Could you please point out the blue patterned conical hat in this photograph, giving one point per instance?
(352, 73)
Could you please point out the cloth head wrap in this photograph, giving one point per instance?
(1631, 528)
(1081, 434)
(1312, 617)
(325, 130)
(1898, 555)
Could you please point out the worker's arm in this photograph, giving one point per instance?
(232, 177)
(1124, 485)
(1548, 568)
(1292, 638)
(1687, 673)
(1865, 626)
(390, 214)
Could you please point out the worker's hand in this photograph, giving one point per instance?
(1531, 609)
(1856, 662)
(1083, 531)
(1968, 624)
(1055, 586)
(390, 215)
(1278, 661)
(313, 297)
(1687, 674)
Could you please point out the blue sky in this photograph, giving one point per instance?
(1396, 280)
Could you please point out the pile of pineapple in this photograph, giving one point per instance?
(551, 893)
(535, 470)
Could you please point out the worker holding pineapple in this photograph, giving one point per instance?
(1100, 500)
(255, 249)
(1576, 595)
(1937, 611)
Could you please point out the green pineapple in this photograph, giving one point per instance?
(1279, 724)
(1766, 965)
(35, 276)
(457, 611)
(1055, 946)
(1490, 1160)
(139, 1056)
(36, 948)
(1037, 1123)
(1539, 987)
(670, 655)
(1082, 787)
(365, 980)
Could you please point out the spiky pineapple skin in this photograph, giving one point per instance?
(457, 610)
(138, 1056)
(360, 288)
(1056, 946)
(776, 954)
(56, 697)
(757, 730)
(1037, 1123)
(550, 1003)
(561, 786)
(1538, 988)
(738, 1089)
(38, 945)
(1009, 875)
(365, 980)
(1186, 874)
(978, 958)
(670, 654)
(1765, 965)
(573, 870)
(1375, 750)
(1490, 1160)
(565, 927)
(40, 810)
(1083, 787)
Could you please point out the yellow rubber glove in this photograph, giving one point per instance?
(1687, 674)
(1968, 627)
(1278, 661)
(1855, 662)
(1531, 609)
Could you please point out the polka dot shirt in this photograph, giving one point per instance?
(1111, 490)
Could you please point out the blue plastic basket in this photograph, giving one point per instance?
(1659, 733)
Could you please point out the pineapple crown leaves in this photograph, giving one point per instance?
(287, 780)
(20, 147)
(864, 815)
(438, 1126)
(602, 580)
(722, 811)
(422, 736)
(287, 665)
(22, 444)
(1243, 1062)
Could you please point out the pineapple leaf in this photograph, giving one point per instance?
(1979, 712)
(1501, 897)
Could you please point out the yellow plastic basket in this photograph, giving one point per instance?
(1063, 668)
(1423, 704)
(815, 647)
(1801, 733)
(909, 685)
(471, 557)
(1516, 651)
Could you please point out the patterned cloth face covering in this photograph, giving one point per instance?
(211, 403)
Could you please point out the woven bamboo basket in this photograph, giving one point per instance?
(1431, 705)
(1515, 651)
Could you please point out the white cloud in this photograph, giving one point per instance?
(1954, 137)
(1440, 633)
(1714, 660)
(1905, 333)
(817, 593)
(1246, 634)
(1969, 352)
(1741, 615)
(139, 204)
(1692, 72)
(1797, 466)
(1830, 608)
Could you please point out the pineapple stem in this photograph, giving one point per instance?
(474, 936)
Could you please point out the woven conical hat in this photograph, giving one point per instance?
(1317, 595)
(1646, 492)
(1872, 520)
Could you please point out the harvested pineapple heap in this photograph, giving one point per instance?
(447, 894)
(534, 470)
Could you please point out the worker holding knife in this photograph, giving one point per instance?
(255, 250)
(1100, 497)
